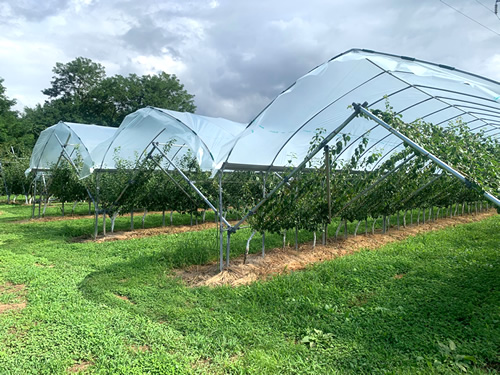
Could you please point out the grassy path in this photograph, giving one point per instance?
(429, 304)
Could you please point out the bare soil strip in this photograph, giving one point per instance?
(79, 367)
(279, 261)
(140, 233)
(19, 293)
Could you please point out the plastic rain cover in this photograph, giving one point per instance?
(281, 134)
(68, 140)
(200, 136)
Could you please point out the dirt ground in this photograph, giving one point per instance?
(139, 233)
(18, 292)
(279, 261)
(276, 261)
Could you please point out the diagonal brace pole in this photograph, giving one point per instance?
(173, 179)
(427, 154)
(301, 165)
(193, 186)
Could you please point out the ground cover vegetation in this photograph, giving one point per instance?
(425, 305)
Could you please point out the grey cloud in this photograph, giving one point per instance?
(35, 10)
(151, 39)
(238, 55)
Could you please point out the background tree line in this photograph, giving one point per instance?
(81, 92)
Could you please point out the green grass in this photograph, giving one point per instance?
(346, 316)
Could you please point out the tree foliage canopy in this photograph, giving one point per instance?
(81, 92)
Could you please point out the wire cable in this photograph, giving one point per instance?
(486, 7)
(470, 18)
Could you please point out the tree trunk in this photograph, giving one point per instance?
(314, 239)
(113, 218)
(296, 238)
(338, 230)
(263, 243)
(171, 218)
(247, 248)
(73, 208)
(144, 217)
(45, 203)
(132, 219)
(104, 223)
(163, 218)
(357, 226)
(284, 239)
(62, 208)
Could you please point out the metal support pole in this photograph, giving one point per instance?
(4, 182)
(34, 199)
(64, 152)
(427, 154)
(40, 203)
(173, 180)
(228, 247)
(221, 253)
(328, 192)
(96, 206)
(264, 232)
(302, 164)
(193, 186)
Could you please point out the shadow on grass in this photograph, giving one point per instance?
(381, 310)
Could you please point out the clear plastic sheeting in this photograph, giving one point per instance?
(67, 140)
(320, 101)
(177, 133)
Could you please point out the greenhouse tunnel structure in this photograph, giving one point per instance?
(339, 98)
(72, 141)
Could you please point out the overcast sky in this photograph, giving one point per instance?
(234, 55)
